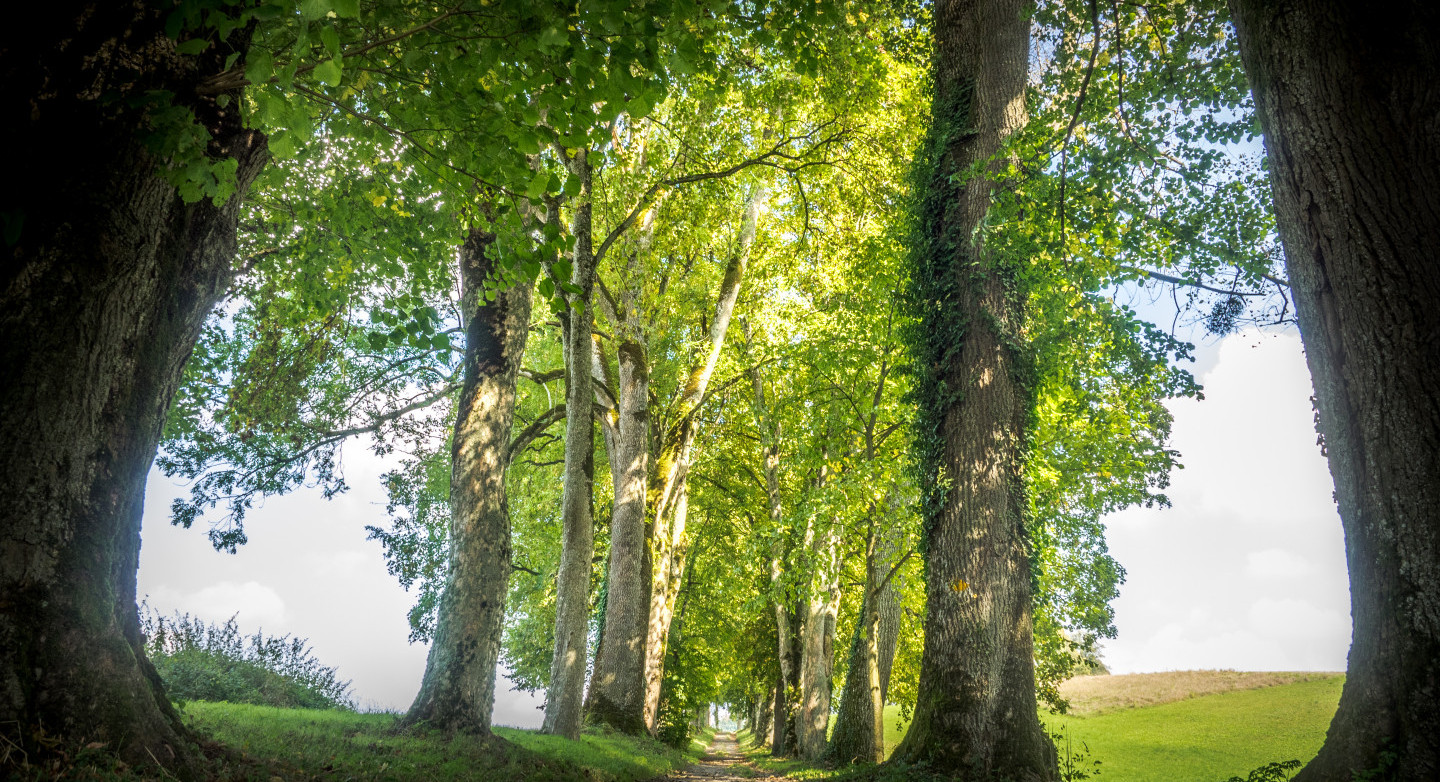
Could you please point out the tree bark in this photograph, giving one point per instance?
(976, 715)
(564, 698)
(860, 721)
(108, 278)
(782, 738)
(1348, 102)
(617, 689)
(817, 652)
(668, 494)
(457, 692)
(764, 714)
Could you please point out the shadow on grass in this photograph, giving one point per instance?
(242, 743)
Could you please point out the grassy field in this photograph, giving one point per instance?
(1200, 726)
(314, 744)
(1210, 737)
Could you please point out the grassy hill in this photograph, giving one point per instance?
(1189, 725)
(266, 743)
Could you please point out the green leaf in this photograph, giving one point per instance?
(572, 186)
(310, 10)
(192, 47)
(346, 9)
(547, 287)
(259, 66)
(329, 71)
(331, 40)
(282, 145)
(537, 185)
(640, 107)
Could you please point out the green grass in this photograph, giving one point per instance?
(308, 743)
(1208, 738)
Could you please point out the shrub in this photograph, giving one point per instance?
(204, 661)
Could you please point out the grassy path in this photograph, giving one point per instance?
(722, 762)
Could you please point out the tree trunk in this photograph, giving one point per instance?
(764, 713)
(976, 715)
(617, 689)
(458, 690)
(564, 698)
(668, 550)
(782, 739)
(817, 653)
(1347, 98)
(860, 722)
(668, 494)
(108, 277)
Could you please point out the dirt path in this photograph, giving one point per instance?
(722, 763)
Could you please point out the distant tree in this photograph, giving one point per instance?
(1347, 97)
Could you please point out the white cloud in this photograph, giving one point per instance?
(252, 603)
(1247, 570)
(1277, 563)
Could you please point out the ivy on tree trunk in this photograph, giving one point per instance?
(976, 715)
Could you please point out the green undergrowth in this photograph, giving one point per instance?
(252, 743)
(343, 745)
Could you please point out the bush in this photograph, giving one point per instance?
(203, 661)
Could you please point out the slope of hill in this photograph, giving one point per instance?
(1188, 726)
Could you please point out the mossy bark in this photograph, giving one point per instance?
(976, 715)
(1347, 98)
(668, 493)
(564, 699)
(457, 692)
(859, 735)
(108, 277)
(617, 687)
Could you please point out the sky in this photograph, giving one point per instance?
(1246, 571)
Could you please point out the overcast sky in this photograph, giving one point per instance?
(1246, 571)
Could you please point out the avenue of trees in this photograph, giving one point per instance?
(753, 352)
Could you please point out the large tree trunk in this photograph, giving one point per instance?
(782, 737)
(817, 651)
(107, 279)
(617, 687)
(976, 715)
(667, 494)
(564, 698)
(458, 690)
(860, 722)
(617, 690)
(1348, 101)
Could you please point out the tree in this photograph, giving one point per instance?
(1347, 101)
(458, 691)
(976, 715)
(563, 699)
(119, 228)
